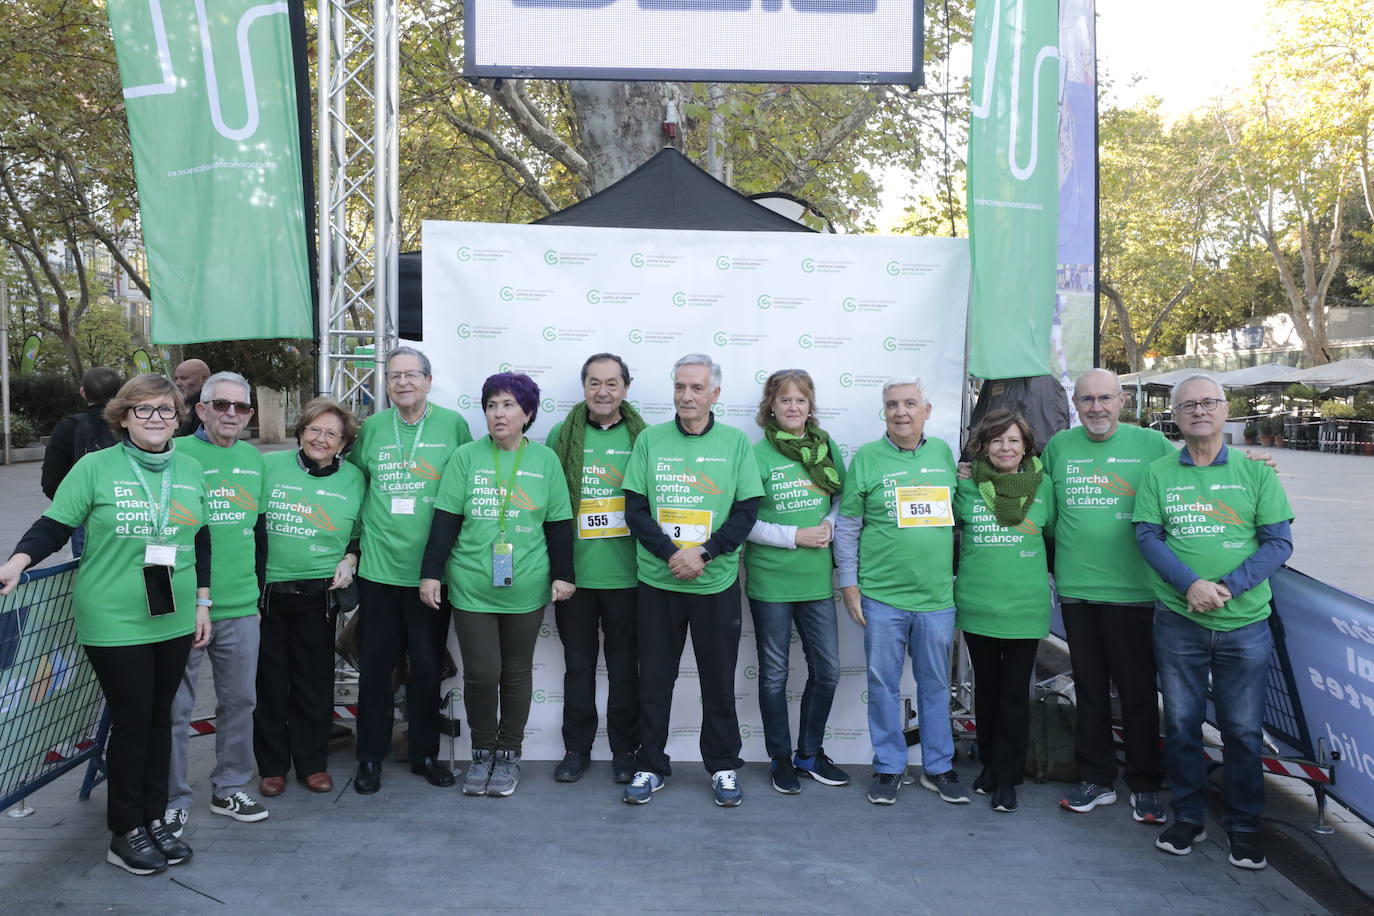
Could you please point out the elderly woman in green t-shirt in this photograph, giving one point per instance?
(312, 514)
(141, 600)
(1005, 511)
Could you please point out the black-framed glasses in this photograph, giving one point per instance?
(222, 405)
(1206, 405)
(146, 411)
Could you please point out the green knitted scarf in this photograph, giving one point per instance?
(571, 437)
(1009, 495)
(813, 450)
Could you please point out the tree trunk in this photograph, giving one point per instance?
(622, 126)
(1123, 321)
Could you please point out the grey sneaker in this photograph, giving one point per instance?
(883, 790)
(175, 819)
(947, 786)
(239, 805)
(1146, 809)
(479, 774)
(505, 774)
(1087, 796)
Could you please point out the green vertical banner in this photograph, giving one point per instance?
(29, 355)
(142, 362)
(211, 101)
(1013, 187)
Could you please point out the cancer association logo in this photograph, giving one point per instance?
(889, 344)
(808, 265)
(464, 331)
(549, 333)
(637, 259)
(806, 341)
(594, 296)
(636, 336)
(679, 299)
(723, 262)
(850, 304)
(765, 301)
(893, 268)
(465, 253)
(846, 380)
(761, 376)
(507, 293)
(720, 338)
(551, 257)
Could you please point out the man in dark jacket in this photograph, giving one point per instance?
(79, 434)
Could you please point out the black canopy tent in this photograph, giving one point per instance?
(667, 192)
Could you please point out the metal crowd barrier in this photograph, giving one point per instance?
(52, 712)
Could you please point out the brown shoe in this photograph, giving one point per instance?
(272, 785)
(318, 782)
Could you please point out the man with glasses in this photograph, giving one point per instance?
(233, 478)
(402, 451)
(1213, 530)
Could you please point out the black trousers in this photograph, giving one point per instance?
(295, 710)
(139, 683)
(664, 619)
(498, 675)
(1114, 643)
(1002, 671)
(612, 612)
(393, 620)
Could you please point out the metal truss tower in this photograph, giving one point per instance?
(358, 61)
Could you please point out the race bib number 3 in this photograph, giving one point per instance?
(602, 518)
(686, 527)
(924, 507)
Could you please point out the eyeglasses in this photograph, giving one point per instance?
(409, 375)
(1206, 405)
(146, 411)
(327, 434)
(1088, 400)
(221, 405)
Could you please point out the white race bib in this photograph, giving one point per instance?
(602, 518)
(159, 555)
(686, 527)
(403, 505)
(924, 507)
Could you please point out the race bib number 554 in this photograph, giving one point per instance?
(924, 507)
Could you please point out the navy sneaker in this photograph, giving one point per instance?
(1087, 796)
(643, 785)
(820, 768)
(883, 790)
(726, 788)
(1146, 809)
(947, 786)
(1179, 838)
(783, 776)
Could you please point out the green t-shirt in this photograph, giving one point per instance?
(1210, 517)
(908, 567)
(1003, 586)
(1096, 557)
(110, 600)
(394, 541)
(789, 498)
(603, 549)
(691, 482)
(233, 484)
(473, 487)
(310, 520)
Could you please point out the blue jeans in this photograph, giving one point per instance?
(928, 636)
(1237, 661)
(820, 639)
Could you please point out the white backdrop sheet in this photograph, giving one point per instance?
(851, 310)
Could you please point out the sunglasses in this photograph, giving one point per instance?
(221, 405)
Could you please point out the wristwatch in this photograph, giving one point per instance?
(705, 555)
(204, 602)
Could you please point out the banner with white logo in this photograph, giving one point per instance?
(851, 310)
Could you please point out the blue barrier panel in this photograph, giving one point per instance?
(1330, 645)
(51, 706)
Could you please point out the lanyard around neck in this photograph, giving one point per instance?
(510, 482)
(158, 511)
(408, 461)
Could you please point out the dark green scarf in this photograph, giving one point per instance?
(813, 450)
(1009, 495)
(571, 438)
(152, 461)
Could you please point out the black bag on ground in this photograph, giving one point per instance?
(1052, 714)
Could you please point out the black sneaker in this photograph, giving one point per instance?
(1004, 799)
(1245, 850)
(985, 782)
(136, 853)
(820, 768)
(947, 786)
(168, 843)
(1179, 838)
(883, 790)
(571, 767)
(623, 767)
(783, 776)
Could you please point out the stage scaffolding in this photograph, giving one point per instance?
(359, 222)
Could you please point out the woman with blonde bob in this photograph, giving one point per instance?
(141, 600)
(314, 503)
(1005, 511)
(789, 570)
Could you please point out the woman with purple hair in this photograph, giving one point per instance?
(501, 541)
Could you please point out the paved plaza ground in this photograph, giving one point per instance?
(577, 848)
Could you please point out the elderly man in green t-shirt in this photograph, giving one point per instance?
(1214, 530)
(233, 481)
(692, 492)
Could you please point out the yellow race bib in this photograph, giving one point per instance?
(924, 507)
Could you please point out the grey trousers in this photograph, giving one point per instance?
(233, 651)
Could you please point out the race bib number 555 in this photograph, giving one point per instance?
(602, 518)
